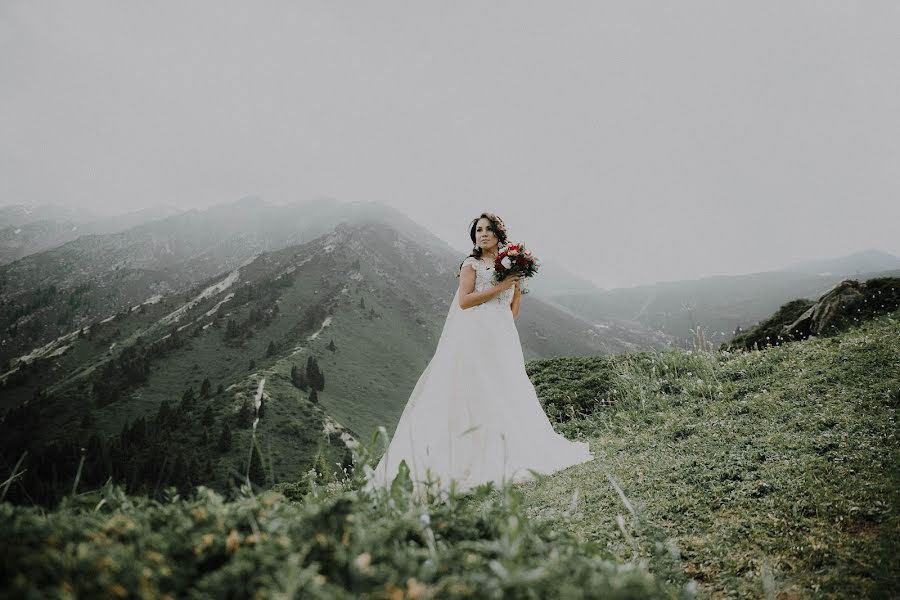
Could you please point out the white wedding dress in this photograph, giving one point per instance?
(474, 416)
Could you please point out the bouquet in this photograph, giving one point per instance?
(514, 258)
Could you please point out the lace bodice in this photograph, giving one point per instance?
(484, 279)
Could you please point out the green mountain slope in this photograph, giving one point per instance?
(50, 294)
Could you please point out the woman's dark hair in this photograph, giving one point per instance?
(499, 230)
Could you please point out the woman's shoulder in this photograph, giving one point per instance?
(470, 261)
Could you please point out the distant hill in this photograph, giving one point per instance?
(45, 295)
(852, 265)
(554, 279)
(31, 231)
(17, 215)
(720, 305)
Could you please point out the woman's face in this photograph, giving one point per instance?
(485, 236)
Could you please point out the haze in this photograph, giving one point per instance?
(634, 141)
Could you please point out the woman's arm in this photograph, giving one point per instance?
(468, 297)
(514, 305)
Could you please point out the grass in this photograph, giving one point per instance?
(726, 475)
(771, 472)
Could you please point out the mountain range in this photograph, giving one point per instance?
(158, 352)
(709, 311)
(126, 345)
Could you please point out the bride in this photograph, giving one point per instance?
(474, 415)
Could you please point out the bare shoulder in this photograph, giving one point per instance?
(470, 261)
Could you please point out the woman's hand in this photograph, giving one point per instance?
(510, 281)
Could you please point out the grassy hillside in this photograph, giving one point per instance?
(773, 472)
(750, 474)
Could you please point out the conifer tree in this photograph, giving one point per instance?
(187, 399)
(231, 330)
(244, 415)
(322, 468)
(298, 378)
(314, 375)
(208, 416)
(271, 350)
(256, 473)
(205, 388)
(314, 396)
(331, 345)
(225, 438)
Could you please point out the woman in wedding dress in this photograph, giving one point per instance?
(474, 416)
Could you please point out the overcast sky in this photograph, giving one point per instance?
(644, 140)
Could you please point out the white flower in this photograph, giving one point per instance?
(506, 262)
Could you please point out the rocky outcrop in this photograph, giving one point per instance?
(845, 305)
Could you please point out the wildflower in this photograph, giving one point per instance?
(363, 561)
(414, 589)
(233, 541)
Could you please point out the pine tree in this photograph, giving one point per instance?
(208, 416)
(87, 421)
(314, 375)
(256, 473)
(187, 399)
(331, 346)
(205, 388)
(298, 378)
(220, 390)
(323, 470)
(244, 415)
(271, 350)
(225, 438)
(252, 365)
(231, 330)
(162, 415)
(362, 303)
(314, 396)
